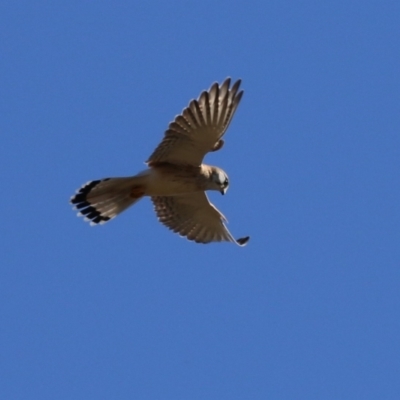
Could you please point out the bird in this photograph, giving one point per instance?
(176, 180)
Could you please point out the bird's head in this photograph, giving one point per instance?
(219, 180)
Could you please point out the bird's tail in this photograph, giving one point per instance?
(101, 200)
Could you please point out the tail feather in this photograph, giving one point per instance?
(101, 200)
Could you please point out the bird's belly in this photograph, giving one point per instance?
(169, 184)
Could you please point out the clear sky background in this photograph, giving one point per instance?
(310, 309)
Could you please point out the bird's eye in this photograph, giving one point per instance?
(226, 183)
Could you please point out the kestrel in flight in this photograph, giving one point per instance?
(176, 179)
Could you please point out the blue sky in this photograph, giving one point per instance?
(310, 309)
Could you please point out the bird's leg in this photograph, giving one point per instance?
(218, 145)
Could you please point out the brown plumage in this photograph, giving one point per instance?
(176, 179)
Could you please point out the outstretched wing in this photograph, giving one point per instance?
(193, 216)
(199, 128)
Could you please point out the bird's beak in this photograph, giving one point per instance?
(223, 191)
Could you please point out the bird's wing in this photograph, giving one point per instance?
(200, 126)
(193, 216)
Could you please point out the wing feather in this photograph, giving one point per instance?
(193, 216)
(223, 109)
(214, 94)
(225, 87)
(199, 127)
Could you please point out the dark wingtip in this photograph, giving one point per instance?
(243, 241)
(236, 86)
